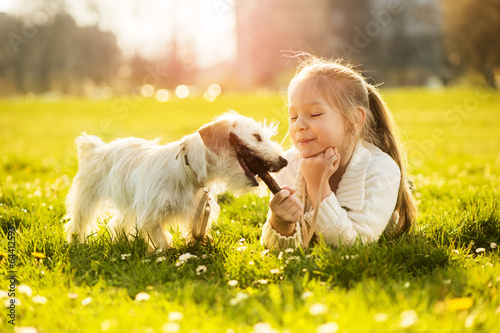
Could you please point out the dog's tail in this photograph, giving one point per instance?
(85, 144)
(84, 200)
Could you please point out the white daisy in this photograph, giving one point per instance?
(39, 299)
(175, 316)
(86, 301)
(25, 289)
(142, 296)
(201, 269)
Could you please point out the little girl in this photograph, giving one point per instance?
(337, 117)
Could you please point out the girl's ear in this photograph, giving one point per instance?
(361, 118)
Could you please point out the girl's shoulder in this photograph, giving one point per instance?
(379, 160)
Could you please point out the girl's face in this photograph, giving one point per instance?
(314, 124)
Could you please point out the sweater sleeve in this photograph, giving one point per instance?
(271, 239)
(345, 225)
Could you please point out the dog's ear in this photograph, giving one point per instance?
(215, 135)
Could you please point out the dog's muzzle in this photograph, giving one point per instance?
(252, 164)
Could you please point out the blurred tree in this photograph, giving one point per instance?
(7, 55)
(56, 54)
(166, 71)
(472, 33)
(408, 48)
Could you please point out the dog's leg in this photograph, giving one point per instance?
(129, 224)
(121, 224)
(160, 239)
(83, 204)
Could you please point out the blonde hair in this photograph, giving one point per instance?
(347, 89)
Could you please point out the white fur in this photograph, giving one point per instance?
(147, 185)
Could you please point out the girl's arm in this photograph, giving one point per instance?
(273, 240)
(365, 220)
(314, 169)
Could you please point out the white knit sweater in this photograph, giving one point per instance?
(360, 209)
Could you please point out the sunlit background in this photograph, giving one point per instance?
(180, 48)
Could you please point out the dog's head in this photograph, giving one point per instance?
(246, 145)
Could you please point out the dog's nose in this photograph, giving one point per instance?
(283, 162)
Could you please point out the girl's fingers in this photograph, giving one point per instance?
(296, 214)
(284, 204)
(329, 152)
(279, 197)
(289, 189)
(293, 213)
(338, 156)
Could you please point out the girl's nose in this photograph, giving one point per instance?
(300, 124)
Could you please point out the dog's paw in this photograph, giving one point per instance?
(73, 238)
(203, 240)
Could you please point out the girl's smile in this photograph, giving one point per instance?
(304, 142)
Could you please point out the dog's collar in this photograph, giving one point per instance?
(189, 172)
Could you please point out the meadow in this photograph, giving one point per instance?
(441, 277)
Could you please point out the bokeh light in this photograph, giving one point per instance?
(214, 90)
(162, 95)
(106, 93)
(182, 91)
(207, 97)
(147, 90)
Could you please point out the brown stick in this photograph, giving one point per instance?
(270, 182)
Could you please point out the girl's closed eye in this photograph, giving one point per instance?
(292, 113)
(316, 111)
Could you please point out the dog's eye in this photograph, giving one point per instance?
(258, 137)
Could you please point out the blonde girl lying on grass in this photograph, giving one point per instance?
(343, 133)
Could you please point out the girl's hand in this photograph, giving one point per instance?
(312, 169)
(286, 210)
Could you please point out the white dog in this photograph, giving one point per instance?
(151, 186)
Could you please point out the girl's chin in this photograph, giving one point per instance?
(306, 153)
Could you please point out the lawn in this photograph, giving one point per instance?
(442, 277)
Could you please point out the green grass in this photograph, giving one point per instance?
(432, 280)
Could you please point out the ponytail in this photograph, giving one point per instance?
(384, 134)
